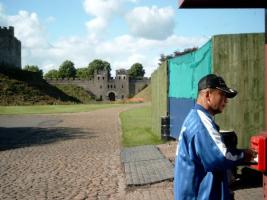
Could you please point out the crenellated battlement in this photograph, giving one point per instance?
(6, 31)
(10, 47)
(102, 87)
(121, 72)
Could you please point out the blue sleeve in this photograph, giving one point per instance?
(213, 154)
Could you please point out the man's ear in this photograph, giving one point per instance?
(207, 95)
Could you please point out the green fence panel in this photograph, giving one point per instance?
(159, 96)
(239, 59)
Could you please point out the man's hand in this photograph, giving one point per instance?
(250, 155)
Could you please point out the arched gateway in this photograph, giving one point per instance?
(111, 96)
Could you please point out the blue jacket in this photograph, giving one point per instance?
(202, 159)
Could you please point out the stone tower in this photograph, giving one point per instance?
(10, 47)
(107, 88)
(122, 84)
(101, 79)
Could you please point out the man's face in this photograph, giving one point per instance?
(217, 101)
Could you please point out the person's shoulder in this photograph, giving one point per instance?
(193, 122)
(192, 117)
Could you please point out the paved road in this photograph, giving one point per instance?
(65, 156)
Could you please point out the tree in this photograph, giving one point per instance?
(52, 74)
(67, 70)
(188, 50)
(136, 71)
(98, 65)
(82, 73)
(34, 68)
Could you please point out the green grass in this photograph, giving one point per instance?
(136, 127)
(46, 109)
(26, 89)
(145, 94)
(76, 92)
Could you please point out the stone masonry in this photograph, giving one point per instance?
(10, 48)
(107, 88)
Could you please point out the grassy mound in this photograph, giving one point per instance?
(19, 87)
(145, 94)
(77, 92)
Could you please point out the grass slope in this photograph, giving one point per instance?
(145, 94)
(77, 92)
(27, 91)
(20, 87)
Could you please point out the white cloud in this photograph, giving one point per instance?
(131, 1)
(125, 50)
(151, 23)
(102, 8)
(121, 51)
(103, 12)
(96, 25)
(29, 29)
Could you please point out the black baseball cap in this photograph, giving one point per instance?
(216, 82)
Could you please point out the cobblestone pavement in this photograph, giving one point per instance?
(66, 156)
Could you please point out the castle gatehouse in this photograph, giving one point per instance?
(106, 88)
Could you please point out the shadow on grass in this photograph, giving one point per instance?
(12, 138)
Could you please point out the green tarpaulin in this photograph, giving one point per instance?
(186, 70)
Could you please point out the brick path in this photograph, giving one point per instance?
(65, 156)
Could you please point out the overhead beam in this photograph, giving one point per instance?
(222, 3)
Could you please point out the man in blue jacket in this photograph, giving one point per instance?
(202, 158)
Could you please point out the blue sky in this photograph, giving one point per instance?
(121, 32)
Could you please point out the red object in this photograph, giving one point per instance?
(259, 144)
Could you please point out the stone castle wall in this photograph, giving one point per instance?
(10, 47)
(104, 88)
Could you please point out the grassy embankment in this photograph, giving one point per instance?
(77, 92)
(26, 89)
(136, 127)
(145, 94)
(20, 87)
